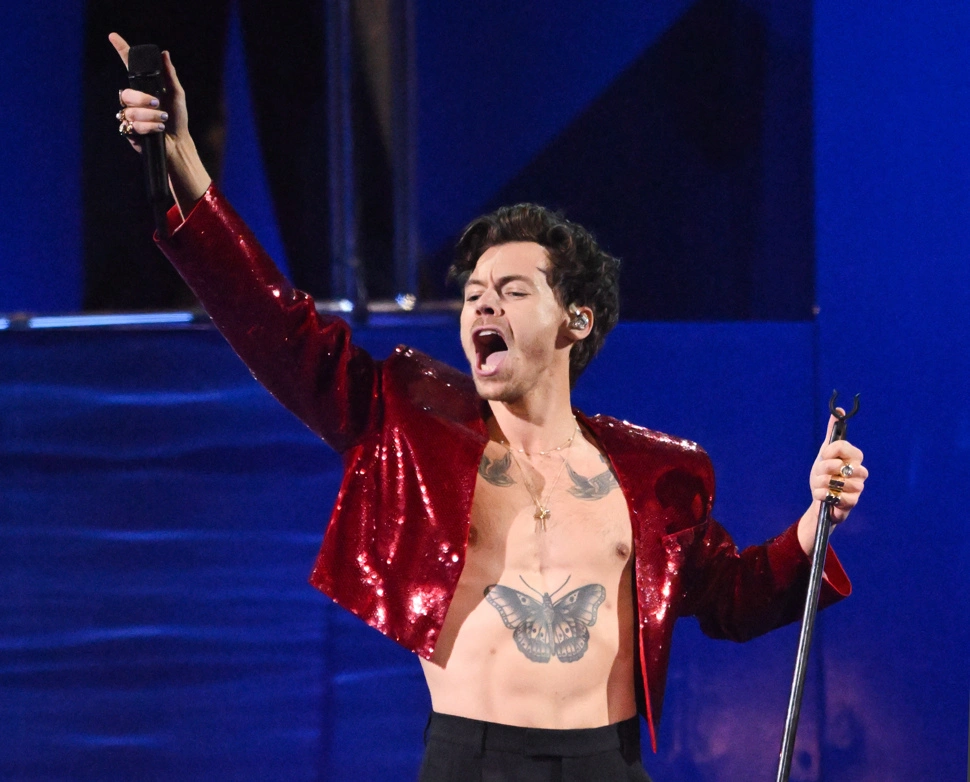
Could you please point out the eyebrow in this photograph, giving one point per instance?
(503, 280)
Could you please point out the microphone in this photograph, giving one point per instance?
(145, 75)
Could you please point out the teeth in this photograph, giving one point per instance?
(483, 339)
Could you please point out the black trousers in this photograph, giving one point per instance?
(464, 750)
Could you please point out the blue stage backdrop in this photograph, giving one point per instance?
(893, 195)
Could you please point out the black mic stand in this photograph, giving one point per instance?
(822, 532)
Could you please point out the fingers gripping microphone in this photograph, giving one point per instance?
(145, 75)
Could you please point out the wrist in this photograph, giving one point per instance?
(188, 176)
(807, 526)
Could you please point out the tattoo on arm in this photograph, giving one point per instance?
(496, 471)
(595, 488)
(543, 628)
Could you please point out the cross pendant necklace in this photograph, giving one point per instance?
(542, 513)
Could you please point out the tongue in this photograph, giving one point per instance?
(496, 358)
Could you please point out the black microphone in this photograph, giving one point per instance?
(145, 75)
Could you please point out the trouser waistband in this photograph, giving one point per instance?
(624, 736)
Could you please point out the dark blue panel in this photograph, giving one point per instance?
(40, 210)
(499, 80)
(692, 162)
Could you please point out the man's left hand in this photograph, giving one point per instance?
(839, 461)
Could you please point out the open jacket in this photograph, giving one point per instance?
(411, 433)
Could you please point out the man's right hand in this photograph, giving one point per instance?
(168, 115)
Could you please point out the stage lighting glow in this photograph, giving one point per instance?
(126, 319)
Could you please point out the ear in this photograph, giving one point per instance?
(579, 323)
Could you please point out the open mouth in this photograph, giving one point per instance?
(490, 350)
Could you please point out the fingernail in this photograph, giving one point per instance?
(154, 102)
(161, 126)
(164, 116)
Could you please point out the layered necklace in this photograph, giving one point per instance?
(542, 512)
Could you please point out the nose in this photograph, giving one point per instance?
(488, 303)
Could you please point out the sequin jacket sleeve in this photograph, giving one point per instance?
(739, 595)
(305, 360)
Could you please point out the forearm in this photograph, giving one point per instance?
(187, 177)
(743, 595)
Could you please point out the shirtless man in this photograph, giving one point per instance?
(535, 559)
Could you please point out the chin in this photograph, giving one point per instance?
(489, 391)
(496, 390)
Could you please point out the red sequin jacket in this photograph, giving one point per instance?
(411, 434)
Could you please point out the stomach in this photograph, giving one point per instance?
(537, 649)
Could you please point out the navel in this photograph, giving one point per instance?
(622, 551)
(473, 536)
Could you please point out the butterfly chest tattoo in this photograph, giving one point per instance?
(543, 628)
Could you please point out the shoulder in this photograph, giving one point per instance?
(431, 385)
(409, 365)
(623, 435)
(674, 470)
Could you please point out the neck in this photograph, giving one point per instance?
(533, 425)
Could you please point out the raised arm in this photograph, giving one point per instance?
(307, 361)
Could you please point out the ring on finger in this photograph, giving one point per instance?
(847, 470)
(126, 128)
(120, 116)
(120, 99)
(836, 486)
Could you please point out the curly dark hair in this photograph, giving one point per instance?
(582, 272)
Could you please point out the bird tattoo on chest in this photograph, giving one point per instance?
(594, 488)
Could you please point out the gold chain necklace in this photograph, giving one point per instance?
(569, 441)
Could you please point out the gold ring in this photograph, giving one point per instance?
(836, 486)
(120, 100)
(126, 128)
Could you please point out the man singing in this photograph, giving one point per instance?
(534, 558)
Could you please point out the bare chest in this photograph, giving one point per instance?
(559, 512)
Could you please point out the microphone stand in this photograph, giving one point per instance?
(822, 533)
